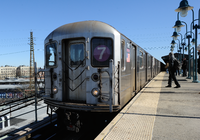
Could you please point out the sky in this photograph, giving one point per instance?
(148, 23)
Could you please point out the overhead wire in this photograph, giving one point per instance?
(21, 52)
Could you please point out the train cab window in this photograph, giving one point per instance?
(77, 54)
(102, 51)
(51, 50)
(122, 55)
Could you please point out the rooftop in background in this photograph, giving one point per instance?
(14, 80)
(177, 55)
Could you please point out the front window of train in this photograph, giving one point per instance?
(51, 55)
(102, 52)
(77, 54)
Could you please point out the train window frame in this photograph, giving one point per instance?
(133, 47)
(106, 62)
(128, 51)
(149, 61)
(122, 54)
(55, 55)
(84, 54)
(141, 58)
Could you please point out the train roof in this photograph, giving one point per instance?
(82, 27)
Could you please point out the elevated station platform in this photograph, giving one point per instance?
(159, 113)
(24, 117)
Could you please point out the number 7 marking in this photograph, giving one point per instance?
(102, 52)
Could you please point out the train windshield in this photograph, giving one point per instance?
(77, 54)
(102, 51)
(51, 55)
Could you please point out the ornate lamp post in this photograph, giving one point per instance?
(175, 35)
(183, 10)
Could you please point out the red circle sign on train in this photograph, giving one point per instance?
(101, 53)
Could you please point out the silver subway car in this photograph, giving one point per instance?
(91, 67)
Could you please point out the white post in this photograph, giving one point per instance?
(7, 121)
(2, 123)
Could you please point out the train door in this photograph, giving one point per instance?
(138, 69)
(73, 59)
(141, 65)
(133, 77)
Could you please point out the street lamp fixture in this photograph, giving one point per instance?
(173, 43)
(186, 48)
(183, 44)
(175, 35)
(193, 41)
(172, 49)
(184, 8)
(178, 25)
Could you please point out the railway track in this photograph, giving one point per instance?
(32, 131)
(48, 130)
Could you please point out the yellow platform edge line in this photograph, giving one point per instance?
(109, 127)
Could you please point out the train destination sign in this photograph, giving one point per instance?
(101, 53)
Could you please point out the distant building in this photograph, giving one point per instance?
(7, 72)
(177, 56)
(23, 71)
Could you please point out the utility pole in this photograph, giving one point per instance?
(32, 60)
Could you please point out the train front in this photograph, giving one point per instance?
(79, 68)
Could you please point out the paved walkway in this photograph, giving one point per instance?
(159, 113)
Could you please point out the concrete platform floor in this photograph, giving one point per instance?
(159, 113)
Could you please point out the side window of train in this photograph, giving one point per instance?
(133, 57)
(51, 51)
(122, 55)
(77, 54)
(102, 51)
(128, 52)
(141, 60)
(149, 61)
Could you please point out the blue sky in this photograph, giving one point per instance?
(146, 22)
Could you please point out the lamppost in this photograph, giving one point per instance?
(177, 26)
(175, 35)
(183, 10)
(189, 52)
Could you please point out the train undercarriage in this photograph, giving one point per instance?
(77, 120)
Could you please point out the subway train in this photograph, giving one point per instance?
(91, 67)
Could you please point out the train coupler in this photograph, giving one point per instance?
(72, 121)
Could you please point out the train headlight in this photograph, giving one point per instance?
(95, 77)
(95, 92)
(55, 90)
